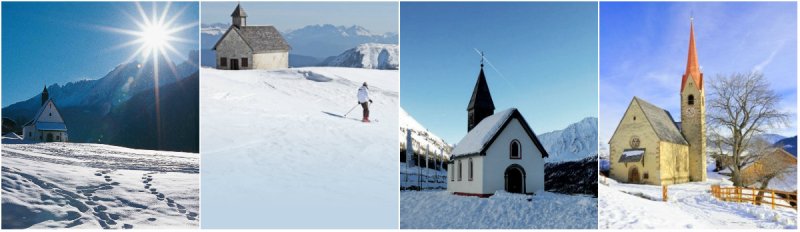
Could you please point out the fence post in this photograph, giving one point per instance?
(664, 192)
(773, 198)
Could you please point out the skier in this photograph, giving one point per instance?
(364, 101)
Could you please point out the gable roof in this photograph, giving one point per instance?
(660, 120)
(260, 39)
(46, 125)
(479, 139)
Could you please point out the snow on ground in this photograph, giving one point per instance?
(79, 185)
(442, 210)
(689, 206)
(276, 155)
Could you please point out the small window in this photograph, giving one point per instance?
(452, 174)
(646, 175)
(51, 113)
(223, 61)
(244, 62)
(690, 100)
(634, 118)
(470, 169)
(515, 150)
(58, 138)
(459, 170)
(30, 134)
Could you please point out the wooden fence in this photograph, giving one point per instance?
(770, 197)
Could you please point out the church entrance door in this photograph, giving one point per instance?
(633, 175)
(234, 64)
(49, 137)
(515, 179)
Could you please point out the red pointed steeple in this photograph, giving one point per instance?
(692, 65)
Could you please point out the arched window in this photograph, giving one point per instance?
(690, 99)
(459, 170)
(470, 169)
(515, 150)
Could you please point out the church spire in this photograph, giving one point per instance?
(239, 17)
(45, 95)
(481, 104)
(692, 65)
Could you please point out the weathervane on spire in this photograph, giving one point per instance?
(481, 59)
(691, 16)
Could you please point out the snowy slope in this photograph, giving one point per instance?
(275, 153)
(545, 210)
(421, 137)
(368, 55)
(689, 206)
(58, 185)
(577, 141)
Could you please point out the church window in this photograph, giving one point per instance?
(452, 174)
(223, 61)
(30, 134)
(58, 138)
(459, 170)
(51, 113)
(690, 100)
(470, 169)
(515, 150)
(244, 62)
(634, 118)
(646, 175)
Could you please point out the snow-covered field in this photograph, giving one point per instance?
(545, 210)
(276, 155)
(78, 185)
(689, 206)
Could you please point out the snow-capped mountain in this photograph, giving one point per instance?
(328, 40)
(789, 144)
(369, 55)
(89, 107)
(311, 45)
(771, 138)
(577, 141)
(420, 136)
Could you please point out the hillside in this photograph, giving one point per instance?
(269, 134)
(576, 141)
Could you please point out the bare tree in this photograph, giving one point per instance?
(741, 106)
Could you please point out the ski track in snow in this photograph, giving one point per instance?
(689, 206)
(273, 148)
(72, 185)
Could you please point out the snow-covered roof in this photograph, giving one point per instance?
(39, 113)
(482, 135)
(631, 155)
(51, 126)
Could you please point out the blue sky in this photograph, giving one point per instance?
(378, 17)
(58, 42)
(643, 51)
(546, 55)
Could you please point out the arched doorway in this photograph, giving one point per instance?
(49, 137)
(515, 179)
(633, 175)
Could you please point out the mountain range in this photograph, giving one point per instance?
(111, 109)
(311, 45)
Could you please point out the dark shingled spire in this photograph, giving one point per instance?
(239, 11)
(481, 104)
(45, 95)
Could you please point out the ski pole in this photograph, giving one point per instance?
(351, 110)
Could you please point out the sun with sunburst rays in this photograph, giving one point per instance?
(154, 37)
